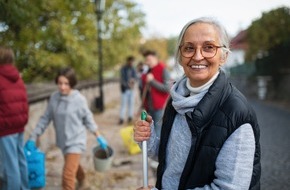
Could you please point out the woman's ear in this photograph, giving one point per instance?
(224, 58)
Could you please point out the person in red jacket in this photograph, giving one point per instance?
(13, 117)
(156, 86)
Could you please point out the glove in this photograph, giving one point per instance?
(30, 145)
(102, 141)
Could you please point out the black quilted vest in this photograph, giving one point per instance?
(221, 111)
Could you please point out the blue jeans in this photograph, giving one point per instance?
(13, 165)
(127, 102)
(157, 116)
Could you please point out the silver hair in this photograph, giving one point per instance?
(223, 36)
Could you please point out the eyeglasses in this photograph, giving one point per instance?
(188, 50)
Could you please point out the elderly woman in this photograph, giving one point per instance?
(210, 134)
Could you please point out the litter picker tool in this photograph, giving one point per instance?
(144, 155)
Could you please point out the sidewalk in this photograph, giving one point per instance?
(126, 172)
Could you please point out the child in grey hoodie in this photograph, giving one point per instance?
(69, 111)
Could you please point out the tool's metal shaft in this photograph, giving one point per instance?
(145, 164)
(144, 155)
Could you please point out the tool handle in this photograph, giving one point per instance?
(143, 115)
(144, 155)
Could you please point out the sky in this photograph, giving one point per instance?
(165, 18)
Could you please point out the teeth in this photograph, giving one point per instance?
(198, 66)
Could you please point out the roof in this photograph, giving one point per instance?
(240, 41)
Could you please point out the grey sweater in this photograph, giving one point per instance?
(71, 116)
(234, 164)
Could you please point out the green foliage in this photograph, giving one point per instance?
(157, 44)
(172, 45)
(122, 31)
(165, 47)
(276, 63)
(47, 35)
(269, 44)
(272, 29)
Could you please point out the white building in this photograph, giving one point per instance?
(238, 48)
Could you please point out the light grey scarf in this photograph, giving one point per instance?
(185, 97)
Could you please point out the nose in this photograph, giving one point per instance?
(62, 86)
(197, 56)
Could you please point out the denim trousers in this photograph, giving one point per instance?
(127, 103)
(157, 116)
(72, 170)
(13, 166)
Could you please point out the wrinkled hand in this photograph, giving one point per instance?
(30, 145)
(145, 188)
(102, 141)
(142, 130)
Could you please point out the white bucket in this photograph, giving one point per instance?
(102, 158)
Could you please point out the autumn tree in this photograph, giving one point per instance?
(47, 35)
(157, 44)
(171, 45)
(122, 33)
(269, 44)
(269, 31)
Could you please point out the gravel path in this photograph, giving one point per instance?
(126, 171)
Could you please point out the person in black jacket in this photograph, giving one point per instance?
(128, 80)
(210, 134)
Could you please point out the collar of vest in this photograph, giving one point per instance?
(208, 105)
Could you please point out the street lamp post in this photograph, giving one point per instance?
(100, 7)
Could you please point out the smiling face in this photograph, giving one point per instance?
(63, 85)
(198, 69)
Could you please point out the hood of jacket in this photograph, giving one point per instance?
(9, 72)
